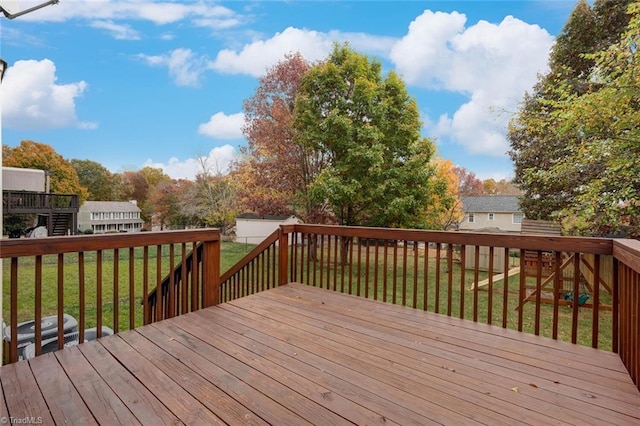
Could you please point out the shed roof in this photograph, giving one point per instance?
(491, 204)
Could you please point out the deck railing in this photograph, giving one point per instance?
(31, 202)
(627, 295)
(579, 290)
(104, 281)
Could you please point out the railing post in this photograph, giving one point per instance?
(211, 272)
(283, 254)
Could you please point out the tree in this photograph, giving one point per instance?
(538, 150)
(101, 184)
(215, 197)
(500, 187)
(367, 127)
(34, 155)
(469, 184)
(445, 209)
(608, 122)
(275, 171)
(172, 201)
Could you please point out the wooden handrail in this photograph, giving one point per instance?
(247, 258)
(96, 286)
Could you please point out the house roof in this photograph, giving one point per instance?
(491, 204)
(109, 206)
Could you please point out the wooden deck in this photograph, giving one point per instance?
(299, 355)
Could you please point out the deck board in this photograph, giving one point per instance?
(302, 355)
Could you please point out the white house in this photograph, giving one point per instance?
(490, 213)
(109, 216)
(253, 229)
(498, 212)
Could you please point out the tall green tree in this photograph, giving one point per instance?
(607, 121)
(538, 150)
(101, 184)
(379, 170)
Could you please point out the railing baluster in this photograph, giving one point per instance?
(476, 280)
(350, 264)
(132, 290)
(336, 242)
(366, 270)
(116, 284)
(538, 293)
(449, 278)
(359, 267)
(462, 279)
(13, 346)
(38, 306)
(328, 262)
(375, 271)
(394, 300)
(521, 290)
(321, 263)
(82, 298)
(595, 325)
(425, 295)
(99, 293)
(385, 252)
(184, 298)
(490, 286)
(404, 273)
(437, 300)
(60, 301)
(557, 282)
(415, 274)
(505, 286)
(145, 285)
(192, 278)
(576, 298)
(160, 297)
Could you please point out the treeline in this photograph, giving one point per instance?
(575, 140)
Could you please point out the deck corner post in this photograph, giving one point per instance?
(211, 272)
(283, 255)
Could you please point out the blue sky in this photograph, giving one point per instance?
(161, 83)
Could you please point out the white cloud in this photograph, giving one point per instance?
(218, 160)
(222, 126)
(120, 32)
(37, 102)
(256, 57)
(184, 67)
(492, 64)
(203, 14)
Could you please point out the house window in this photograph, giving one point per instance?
(472, 217)
(517, 218)
(491, 216)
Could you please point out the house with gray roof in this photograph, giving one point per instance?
(109, 216)
(499, 213)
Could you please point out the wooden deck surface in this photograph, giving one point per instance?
(301, 355)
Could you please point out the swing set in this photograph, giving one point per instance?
(575, 271)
